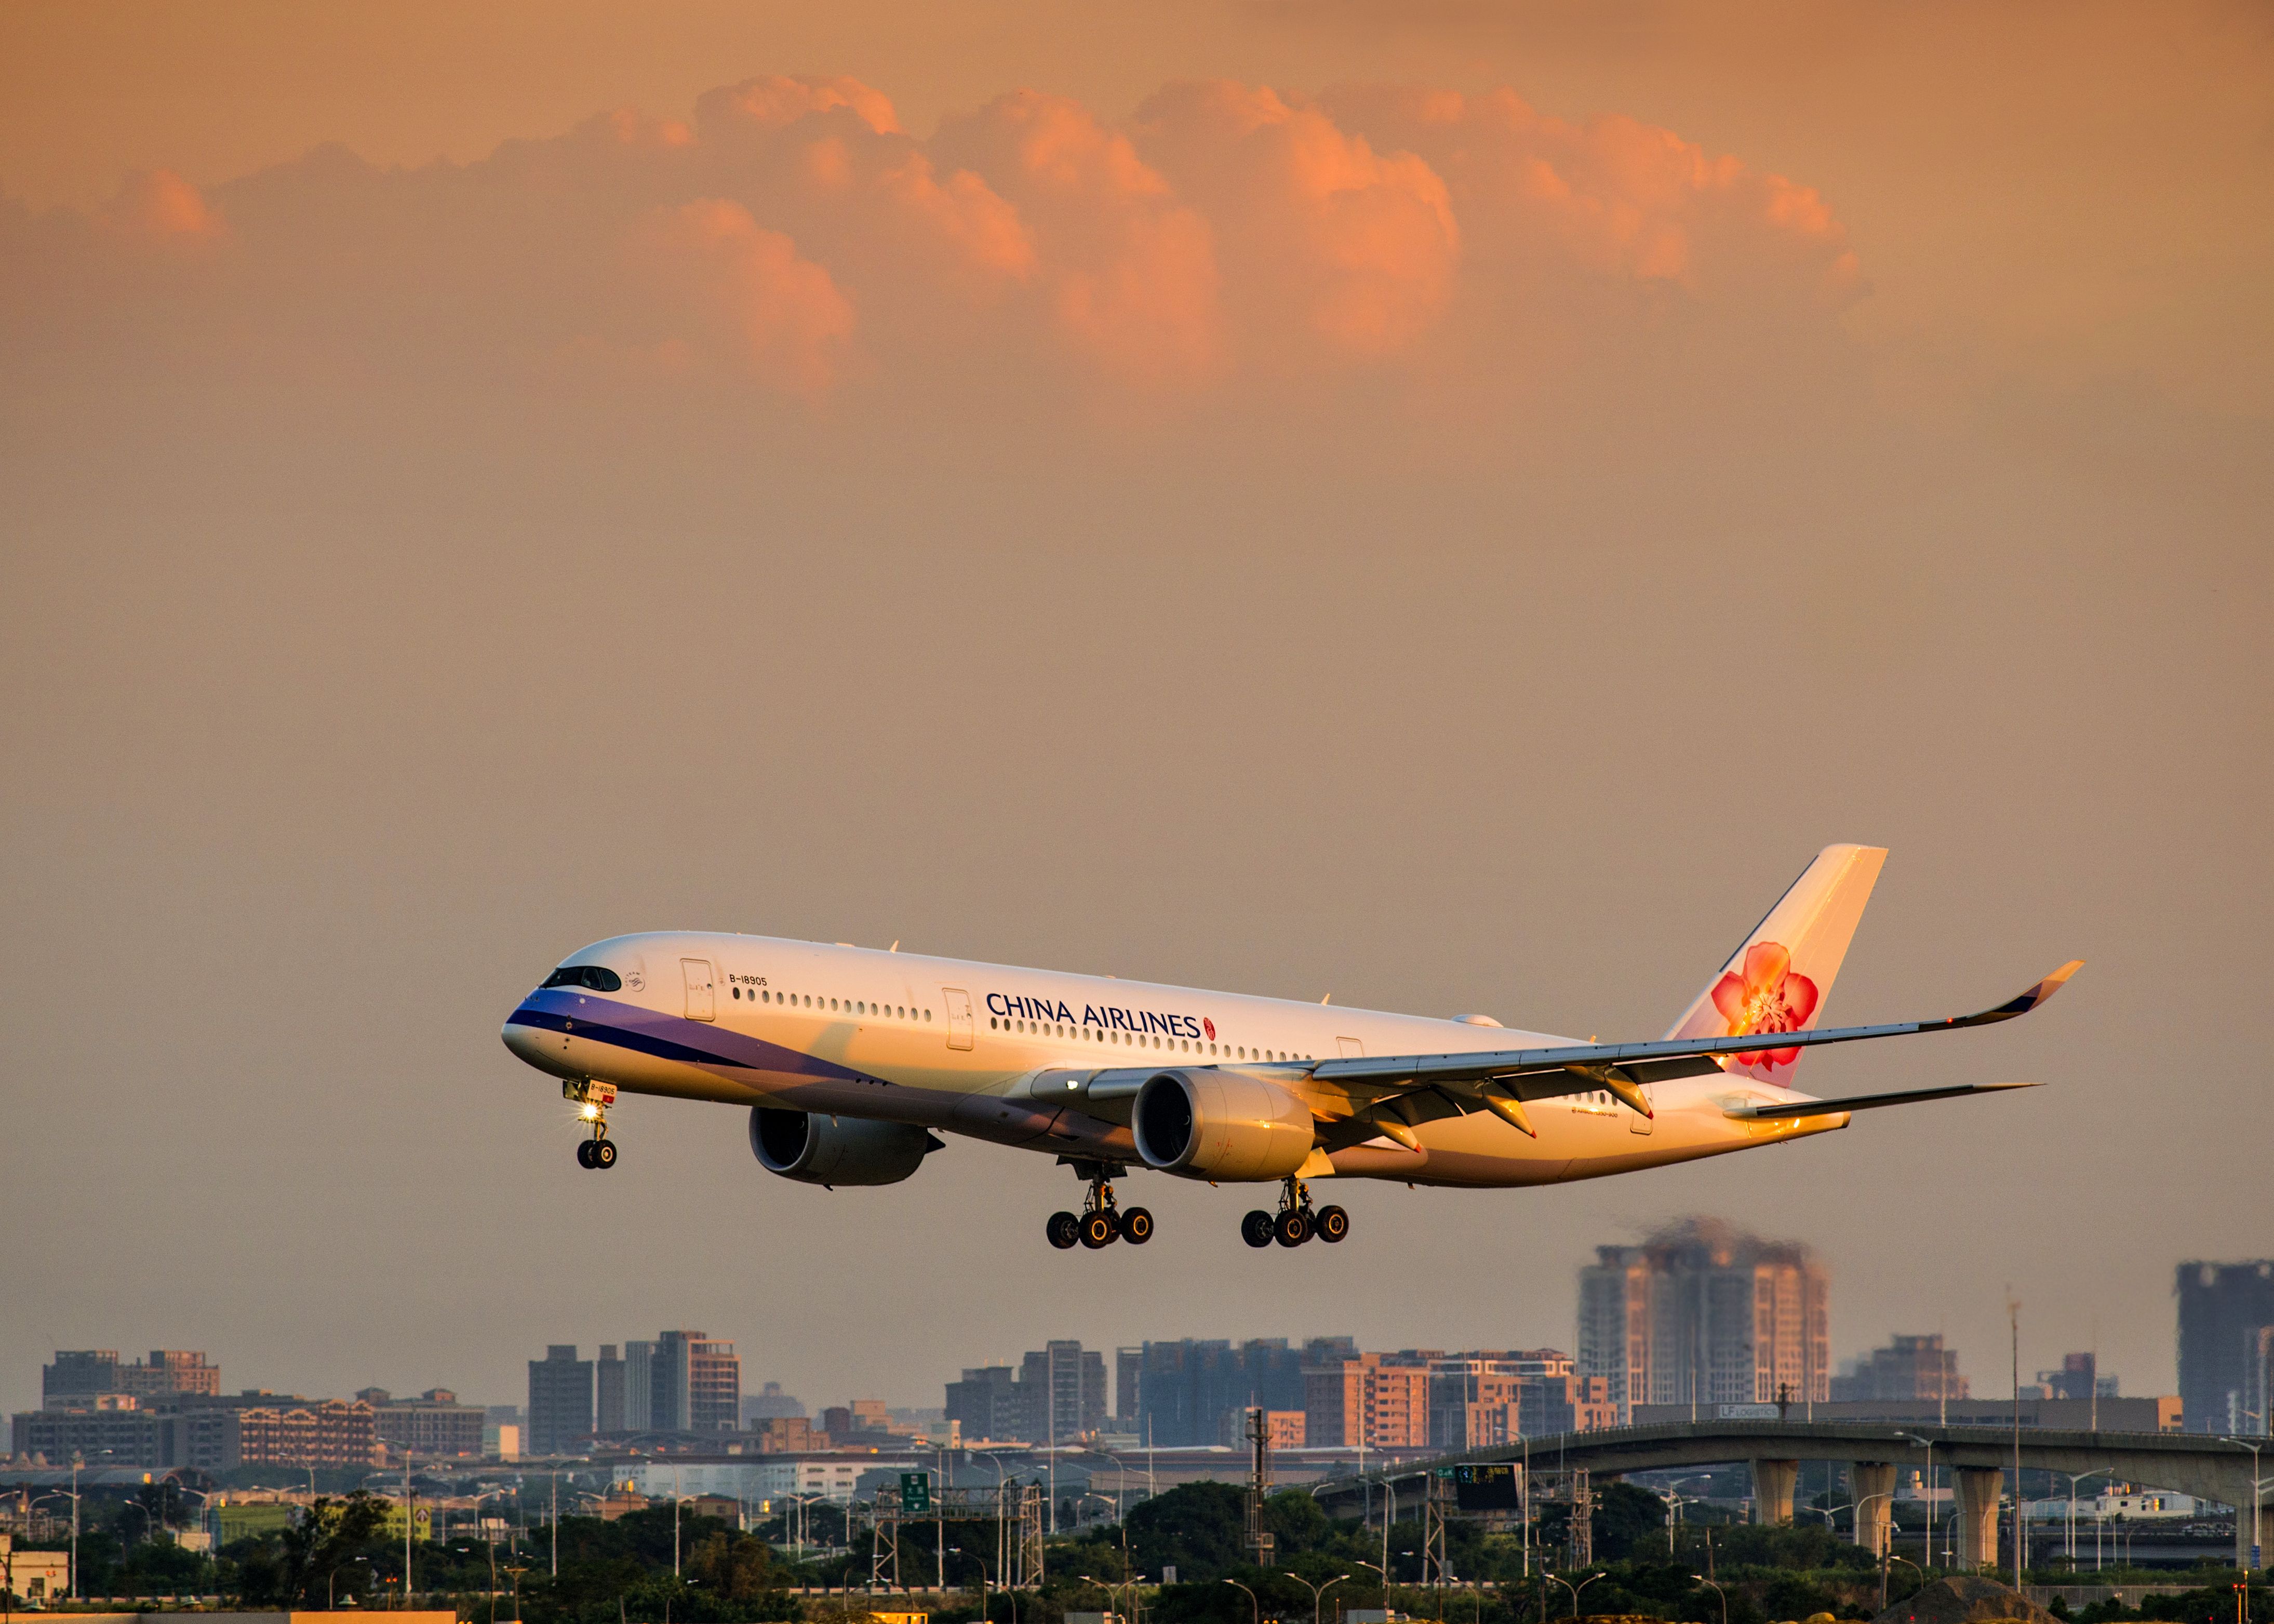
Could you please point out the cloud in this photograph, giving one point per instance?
(794, 235)
(746, 293)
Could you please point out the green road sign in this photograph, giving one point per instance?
(916, 1493)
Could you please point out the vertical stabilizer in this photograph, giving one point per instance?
(1781, 976)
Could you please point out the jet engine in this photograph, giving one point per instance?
(816, 1149)
(1207, 1123)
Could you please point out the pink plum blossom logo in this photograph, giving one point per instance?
(1763, 995)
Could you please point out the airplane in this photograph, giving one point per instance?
(852, 1061)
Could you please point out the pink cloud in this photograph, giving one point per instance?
(748, 292)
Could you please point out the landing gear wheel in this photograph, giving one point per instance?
(1291, 1228)
(585, 1151)
(1331, 1224)
(604, 1153)
(1064, 1229)
(1099, 1229)
(1136, 1226)
(1256, 1228)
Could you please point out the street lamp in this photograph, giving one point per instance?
(1319, 1592)
(2257, 1489)
(331, 1579)
(1575, 1589)
(1723, 1594)
(1255, 1606)
(1927, 1444)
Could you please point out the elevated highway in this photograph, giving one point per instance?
(2196, 1463)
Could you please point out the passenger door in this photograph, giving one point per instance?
(702, 996)
(961, 1026)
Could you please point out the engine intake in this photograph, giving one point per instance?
(816, 1148)
(1207, 1123)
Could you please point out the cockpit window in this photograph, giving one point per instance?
(594, 976)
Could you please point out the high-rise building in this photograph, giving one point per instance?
(85, 1373)
(986, 1403)
(2226, 1310)
(639, 1385)
(608, 1394)
(433, 1424)
(1908, 1367)
(1128, 1376)
(559, 1399)
(695, 1383)
(1062, 1390)
(2078, 1377)
(1373, 1400)
(333, 1432)
(1195, 1391)
(1704, 1313)
(771, 1404)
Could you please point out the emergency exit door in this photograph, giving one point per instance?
(959, 1024)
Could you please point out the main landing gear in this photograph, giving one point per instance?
(1100, 1222)
(1294, 1222)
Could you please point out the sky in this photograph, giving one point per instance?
(1447, 506)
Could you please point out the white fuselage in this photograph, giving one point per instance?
(980, 1049)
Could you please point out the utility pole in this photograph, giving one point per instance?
(406, 1527)
(556, 1537)
(1259, 1485)
(2014, 1314)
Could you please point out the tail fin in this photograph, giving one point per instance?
(1780, 977)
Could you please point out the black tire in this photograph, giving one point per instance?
(1291, 1227)
(1065, 1229)
(1331, 1224)
(1255, 1229)
(1098, 1229)
(584, 1153)
(604, 1153)
(1136, 1226)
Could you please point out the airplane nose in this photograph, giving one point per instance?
(527, 1043)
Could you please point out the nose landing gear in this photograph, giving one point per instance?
(1100, 1222)
(1295, 1222)
(594, 1097)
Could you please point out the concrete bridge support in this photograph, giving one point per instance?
(1773, 1484)
(1874, 1483)
(1976, 1489)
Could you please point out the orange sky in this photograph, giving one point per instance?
(1447, 505)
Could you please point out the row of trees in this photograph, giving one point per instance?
(650, 1567)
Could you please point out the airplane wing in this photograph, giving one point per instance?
(1859, 1102)
(1499, 1081)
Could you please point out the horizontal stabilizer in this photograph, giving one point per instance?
(1860, 1102)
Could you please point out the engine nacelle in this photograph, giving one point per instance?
(816, 1148)
(1206, 1124)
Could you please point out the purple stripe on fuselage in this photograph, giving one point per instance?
(671, 1037)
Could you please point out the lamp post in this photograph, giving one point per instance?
(1723, 1594)
(1319, 1592)
(1575, 1589)
(1927, 1444)
(2257, 1489)
(1384, 1572)
(1254, 1605)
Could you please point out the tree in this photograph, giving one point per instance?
(1624, 1517)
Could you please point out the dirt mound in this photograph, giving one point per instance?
(1965, 1600)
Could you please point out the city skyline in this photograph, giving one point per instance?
(1117, 1361)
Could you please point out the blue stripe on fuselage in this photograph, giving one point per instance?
(646, 1032)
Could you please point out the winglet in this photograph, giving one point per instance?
(2036, 995)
